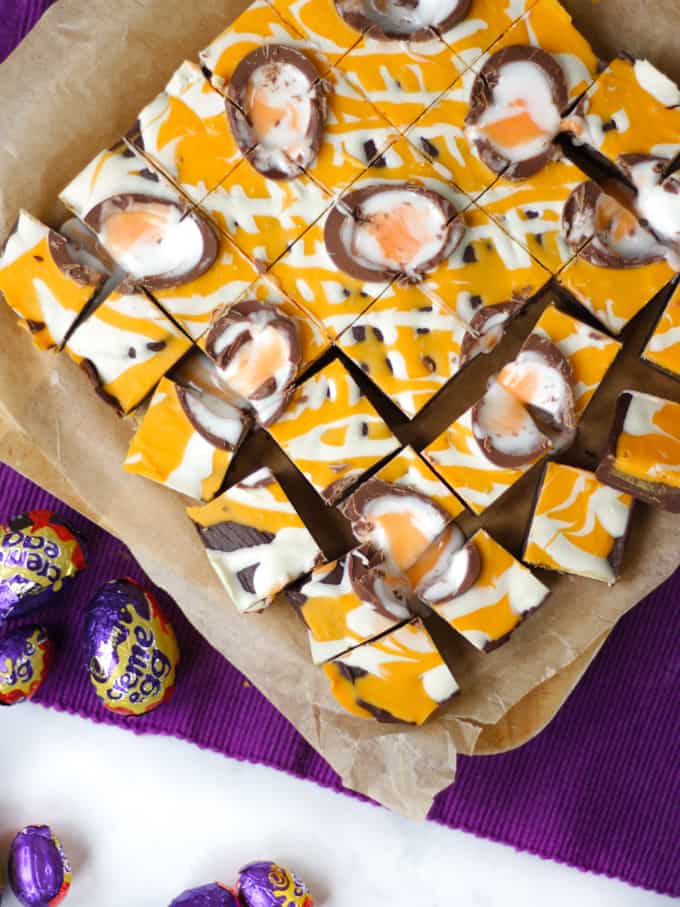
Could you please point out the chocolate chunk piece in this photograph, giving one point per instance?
(278, 110)
(516, 104)
(403, 230)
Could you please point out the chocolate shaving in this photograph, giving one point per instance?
(232, 536)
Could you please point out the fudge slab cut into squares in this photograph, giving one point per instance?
(399, 677)
(547, 25)
(126, 346)
(255, 540)
(643, 451)
(486, 270)
(347, 602)
(331, 432)
(185, 132)
(401, 509)
(663, 347)
(263, 216)
(409, 345)
(440, 134)
(477, 587)
(151, 232)
(531, 210)
(579, 525)
(43, 281)
(401, 78)
(261, 345)
(631, 109)
(485, 22)
(320, 24)
(575, 348)
(187, 440)
(258, 25)
(613, 295)
(487, 449)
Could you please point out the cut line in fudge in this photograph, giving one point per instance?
(662, 349)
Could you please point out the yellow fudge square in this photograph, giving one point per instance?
(126, 346)
(485, 22)
(400, 677)
(331, 432)
(43, 282)
(264, 216)
(308, 275)
(185, 133)
(170, 448)
(548, 25)
(499, 591)
(459, 458)
(320, 24)
(353, 136)
(579, 525)
(631, 109)
(409, 345)
(487, 268)
(258, 25)
(440, 134)
(663, 347)
(530, 210)
(614, 295)
(255, 540)
(193, 303)
(345, 603)
(402, 79)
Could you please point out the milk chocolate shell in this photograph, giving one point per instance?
(504, 430)
(394, 519)
(277, 111)
(605, 232)
(373, 582)
(218, 421)
(541, 378)
(487, 327)
(454, 570)
(158, 242)
(657, 199)
(402, 20)
(257, 350)
(512, 126)
(378, 232)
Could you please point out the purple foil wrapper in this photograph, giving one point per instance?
(39, 872)
(215, 894)
(25, 660)
(266, 884)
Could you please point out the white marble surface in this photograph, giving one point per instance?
(142, 818)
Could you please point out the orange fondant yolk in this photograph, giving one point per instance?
(519, 128)
(403, 534)
(126, 228)
(401, 232)
(506, 419)
(255, 363)
(523, 382)
(266, 116)
(614, 218)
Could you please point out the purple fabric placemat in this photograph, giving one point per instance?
(598, 789)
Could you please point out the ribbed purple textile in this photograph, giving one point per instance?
(598, 789)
